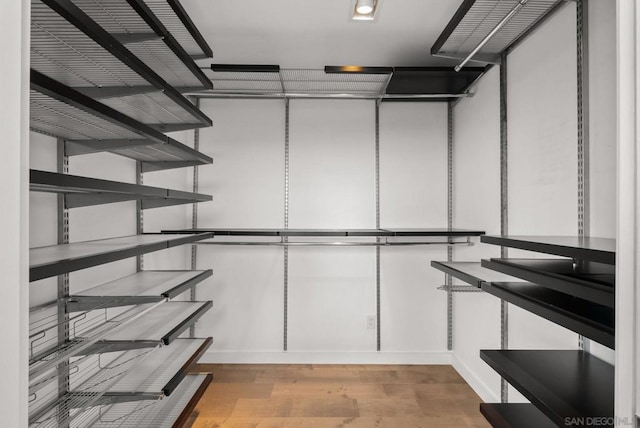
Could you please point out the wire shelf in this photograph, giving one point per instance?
(480, 17)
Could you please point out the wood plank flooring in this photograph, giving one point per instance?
(326, 396)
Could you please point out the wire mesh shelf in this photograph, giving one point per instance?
(476, 19)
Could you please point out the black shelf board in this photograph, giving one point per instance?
(333, 232)
(84, 191)
(560, 275)
(84, 35)
(432, 80)
(597, 322)
(561, 384)
(515, 415)
(599, 250)
(188, 365)
(61, 111)
(470, 272)
(451, 25)
(433, 232)
(58, 259)
(186, 22)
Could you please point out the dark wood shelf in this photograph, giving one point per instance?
(54, 260)
(560, 275)
(470, 272)
(515, 415)
(561, 384)
(84, 191)
(597, 322)
(599, 250)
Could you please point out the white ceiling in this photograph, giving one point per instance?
(315, 33)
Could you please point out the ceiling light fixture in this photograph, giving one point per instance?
(364, 7)
(364, 10)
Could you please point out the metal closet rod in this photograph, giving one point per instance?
(498, 27)
(468, 242)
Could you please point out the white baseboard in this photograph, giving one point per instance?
(474, 381)
(312, 357)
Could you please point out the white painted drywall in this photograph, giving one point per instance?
(14, 89)
(476, 151)
(413, 193)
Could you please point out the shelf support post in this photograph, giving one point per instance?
(63, 285)
(194, 217)
(504, 210)
(378, 239)
(448, 279)
(286, 225)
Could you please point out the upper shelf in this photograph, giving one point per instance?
(85, 191)
(475, 20)
(334, 232)
(471, 272)
(90, 126)
(600, 250)
(70, 47)
(58, 259)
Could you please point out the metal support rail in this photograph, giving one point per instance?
(385, 243)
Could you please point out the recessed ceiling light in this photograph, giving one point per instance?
(364, 7)
(364, 10)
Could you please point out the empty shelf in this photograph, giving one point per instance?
(561, 384)
(475, 19)
(589, 319)
(84, 191)
(58, 259)
(139, 288)
(160, 373)
(70, 47)
(161, 325)
(171, 412)
(90, 126)
(600, 250)
(144, 34)
(335, 232)
(515, 415)
(561, 275)
(432, 81)
(470, 272)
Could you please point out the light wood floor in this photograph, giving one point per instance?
(312, 396)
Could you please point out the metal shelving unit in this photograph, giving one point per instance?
(83, 191)
(89, 126)
(170, 412)
(471, 273)
(481, 30)
(109, 76)
(576, 294)
(72, 48)
(146, 286)
(58, 259)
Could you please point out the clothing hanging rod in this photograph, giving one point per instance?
(336, 244)
(306, 95)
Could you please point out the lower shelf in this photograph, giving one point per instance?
(567, 386)
(516, 415)
(171, 412)
(586, 318)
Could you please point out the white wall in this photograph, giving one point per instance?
(332, 185)
(14, 89)
(477, 205)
